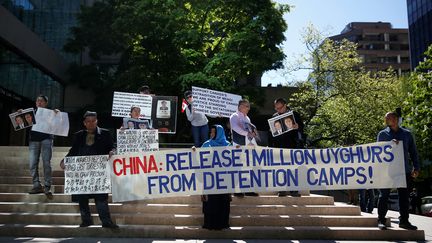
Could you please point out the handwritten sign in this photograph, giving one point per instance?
(213, 102)
(137, 140)
(218, 170)
(87, 175)
(122, 103)
(51, 122)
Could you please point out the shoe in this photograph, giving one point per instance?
(110, 226)
(85, 224)
(239, 194)
(251, 194)
(282, 194)
(381, 225)
(295, 194)
(48, 193)
(36, 190)
(407, 225)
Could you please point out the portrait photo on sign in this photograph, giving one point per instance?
(131, 123)
(164, 114)
(23, 119)
(282, 123)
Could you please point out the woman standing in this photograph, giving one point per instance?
(198, 121)
(216, 207)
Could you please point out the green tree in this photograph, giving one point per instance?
(171, 45)
(341, 103)
(418, 105)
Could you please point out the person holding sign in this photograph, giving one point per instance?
(92, 141)
(41, 144)
(395, 133)
(239, 122)
(198, 121)
(289, 139)
(216, 207)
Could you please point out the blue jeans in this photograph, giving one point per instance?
(43, 147)
(366, 198)
(200, 135)
(403, 194)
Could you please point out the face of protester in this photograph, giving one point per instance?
(19, 120)
(391, 121)
(135, 113)
(189, 99)
(289, 123)
(280, 108)
(40, 102)
(212, 133)
(90, 123)
(29, 118)
(244, 108)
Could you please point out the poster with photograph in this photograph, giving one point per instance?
(131, 123)
(51, 122)
(23, 119)
(123, 102)
(251, 140)
(212, 102)
(282, 123)
(137, 140)
(164, 113)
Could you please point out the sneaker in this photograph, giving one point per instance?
(407, 225)
(282, 194)
(110, 226)
(295, 194)
(48, 193)
(36, 190)
(381, 225)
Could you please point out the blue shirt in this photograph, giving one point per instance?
(409, 146)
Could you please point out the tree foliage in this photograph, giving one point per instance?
(171, 45)
(342, 104)
(418, 105)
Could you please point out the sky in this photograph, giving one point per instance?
(330, 17)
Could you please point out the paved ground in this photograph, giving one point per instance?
(423, 223)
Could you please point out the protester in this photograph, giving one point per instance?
(216, 207)
(145, 89)
(92, 141)
(198, 121)
(41, 143)
(239, 129)
(290, 139)
(366, 199)
(396, 133)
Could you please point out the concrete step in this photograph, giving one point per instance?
(23, 172)
(24, 149)
(14, 163)
(194, 232)
(193, 220)
(28, 180)
(266, 200)
(195, 208)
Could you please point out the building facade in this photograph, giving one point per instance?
(420, 28)
(380, 46)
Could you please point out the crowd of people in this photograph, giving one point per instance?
(93, 140)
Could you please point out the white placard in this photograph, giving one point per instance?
(51, 122)
(87, 175)
(23, 119)
(123, 102)
(213, 102)
(282, 123)
(137, 140)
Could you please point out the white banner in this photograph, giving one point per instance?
(137, 140)
(218, 170)
(87, 175)
(123, 102)
(213, 102)
(51, 122)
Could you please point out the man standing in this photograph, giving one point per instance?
(41, 143)
(291, 139)
(395, 133)
(239, 121)
(92, 141)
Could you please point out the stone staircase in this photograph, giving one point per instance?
(264, 217)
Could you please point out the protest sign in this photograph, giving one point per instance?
(213, 102)
(219, 170)
(164, 113)
(131, 123)
(23, 119)
(87, 175)
(123, 102)
(137, 140)
(51, 122)
(282, 123)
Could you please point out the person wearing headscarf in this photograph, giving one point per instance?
(216, 207)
